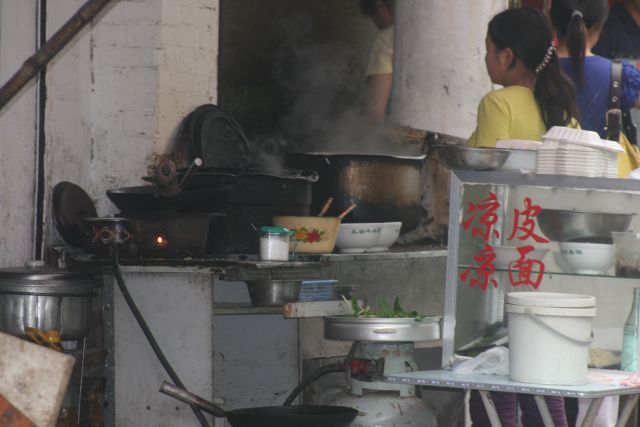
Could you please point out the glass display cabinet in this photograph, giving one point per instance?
(508, 233)
(493, 210)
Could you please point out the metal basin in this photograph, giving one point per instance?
(349, 328)
(566, 225)
(469, 158)
(273, 292)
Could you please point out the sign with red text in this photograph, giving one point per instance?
(480, 220)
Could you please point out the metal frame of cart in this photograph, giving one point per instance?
(488, 383)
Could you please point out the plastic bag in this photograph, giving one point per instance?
(635, 174)
(630, 159)
(494, 361)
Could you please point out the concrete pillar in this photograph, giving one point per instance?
(439, 72)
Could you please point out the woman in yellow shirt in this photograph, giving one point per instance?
(535, 95)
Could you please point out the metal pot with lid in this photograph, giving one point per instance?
(46, 298)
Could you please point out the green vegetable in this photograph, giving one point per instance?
(385, 310)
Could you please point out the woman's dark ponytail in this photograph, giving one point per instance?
(527, 32)
(576, 38)
(572, 19)
(555, 95)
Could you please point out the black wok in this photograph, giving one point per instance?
(147, 198)
(270, 416)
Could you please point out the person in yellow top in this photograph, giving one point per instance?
(535, 95)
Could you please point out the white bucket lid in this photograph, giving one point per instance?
(550, 299)
(551, 311)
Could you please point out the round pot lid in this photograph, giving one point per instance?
(43, 280)
(70, 203)
(218, 139)
(43, 274)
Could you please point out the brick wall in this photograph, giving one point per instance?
(117, 93)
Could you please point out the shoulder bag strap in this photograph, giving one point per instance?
(614, 114)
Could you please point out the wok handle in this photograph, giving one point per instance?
(197, 163)
(192, 399)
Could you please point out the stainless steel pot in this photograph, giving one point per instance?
(385, 188)
(46, 299)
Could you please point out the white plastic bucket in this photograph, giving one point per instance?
(549, 337)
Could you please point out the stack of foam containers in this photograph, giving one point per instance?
(577, 152)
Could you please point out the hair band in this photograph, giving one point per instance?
(577, 13)
(545, 61)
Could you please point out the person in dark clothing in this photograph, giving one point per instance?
(620, 37)
(577, 25)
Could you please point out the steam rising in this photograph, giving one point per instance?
(325, 87)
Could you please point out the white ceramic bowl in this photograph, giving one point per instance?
(507, 254)
(561, 263)
(520, 161)
(523, 154)
(588, 258)
(358, 237)
(518, 144)
(388, 236)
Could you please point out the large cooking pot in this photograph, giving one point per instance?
(46, 299)
(385, 188)
(270, 416)
(255, 199)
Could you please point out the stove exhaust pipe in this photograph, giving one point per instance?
(39, 60)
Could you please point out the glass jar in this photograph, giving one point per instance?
(627, 244)
(274, 243)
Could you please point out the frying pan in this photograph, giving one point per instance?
(269, 416)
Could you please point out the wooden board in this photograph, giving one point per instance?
(33, 378)
(316, 309)
(11, 417)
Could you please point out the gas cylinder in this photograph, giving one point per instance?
(387, 409)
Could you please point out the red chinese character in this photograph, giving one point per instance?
(522, 269)
(483, 270)
(523, 222)
(488, 217)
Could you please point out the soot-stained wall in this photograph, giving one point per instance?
(287, 67)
